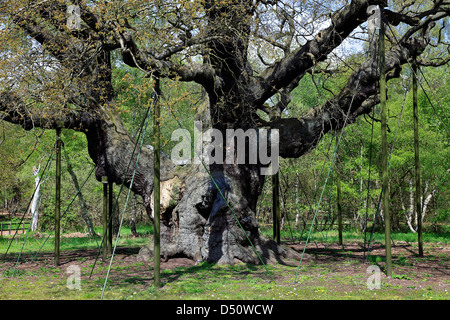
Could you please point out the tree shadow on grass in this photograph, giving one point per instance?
(206, 271)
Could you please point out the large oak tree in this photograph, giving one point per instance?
(56, 70)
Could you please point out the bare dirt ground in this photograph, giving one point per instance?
(409, 270)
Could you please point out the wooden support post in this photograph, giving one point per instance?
(156, 187)
(339, 207)
(58, 195)
(338, 187)
(384, 154)
(110, 216)
(276, 211)
(276, 207)
(105, 217)
(417, 160)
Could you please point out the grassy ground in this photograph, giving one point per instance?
(332, 272)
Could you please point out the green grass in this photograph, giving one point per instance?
(332, 236)
(205, 281)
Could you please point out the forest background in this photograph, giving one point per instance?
(357, 164)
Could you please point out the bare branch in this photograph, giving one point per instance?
(299, 61)
(358, 97)
(138, 58)
(431, 63)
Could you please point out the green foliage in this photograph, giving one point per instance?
(134, 94)
(401, 277)
(302, 180)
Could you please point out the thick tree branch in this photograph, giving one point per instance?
(59, 47)
(358, 97)
(14, 110)
(137, 58)
(395, 18)
(169, 51)
(430, 63)
(299, 61)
